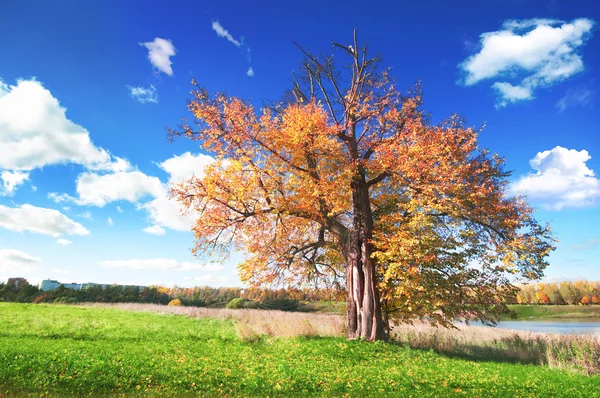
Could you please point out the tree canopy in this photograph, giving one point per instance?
(347, 182)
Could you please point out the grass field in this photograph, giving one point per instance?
(540, 312)
(64, 351)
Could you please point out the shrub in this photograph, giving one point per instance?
(40, 298)
(175, 303)
(236, 303)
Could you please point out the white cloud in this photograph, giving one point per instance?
(11, 180)
(64, 242)
(510, 93)
(39, 220)
(144, 95)
(575, 96)
(166, 212)
(537, 52)
(35, 132)
(160, 52)
(562, 179)
(86, 214)
(590, 244)
(98, 190)
(159, 264)
(110, 222)
(119, 209)
(17, 261)
(183, 167)
(224, 33)
(154, 230)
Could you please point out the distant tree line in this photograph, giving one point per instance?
(21, 291)
(580, 292)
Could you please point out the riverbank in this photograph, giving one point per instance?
(549, 312)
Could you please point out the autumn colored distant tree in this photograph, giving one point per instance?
(347, 182)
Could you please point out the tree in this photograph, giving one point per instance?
(347, 182)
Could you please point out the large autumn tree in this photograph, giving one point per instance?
(347, 182)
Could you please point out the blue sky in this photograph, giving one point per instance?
(87, 89)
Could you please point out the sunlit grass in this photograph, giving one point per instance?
(68, 351)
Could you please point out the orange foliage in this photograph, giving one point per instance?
(295, 187)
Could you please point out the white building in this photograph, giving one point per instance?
(51, 284)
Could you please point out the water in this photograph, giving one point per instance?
(580, 326)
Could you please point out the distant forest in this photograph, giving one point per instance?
(19, 290)
(560, 293)
(580, 292)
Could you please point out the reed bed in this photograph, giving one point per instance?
(578, 352)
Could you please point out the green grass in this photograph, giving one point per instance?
(66, 351)
(541, 312)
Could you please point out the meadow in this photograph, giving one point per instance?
(55, 350)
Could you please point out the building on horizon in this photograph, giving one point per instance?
(16, 282)
(52, 284)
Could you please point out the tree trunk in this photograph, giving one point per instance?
(364, 309)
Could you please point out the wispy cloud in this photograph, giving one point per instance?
(160, 264)
(64, 242)
(586, 245)
(580, 95)
(154, 230)
(160, 52)
(535, 52)
(11, 260)
(224, 33)
(144, 95)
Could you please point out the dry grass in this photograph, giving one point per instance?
(579, 352)
(565, 351)
(252, 324)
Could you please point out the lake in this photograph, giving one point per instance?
(591, 326)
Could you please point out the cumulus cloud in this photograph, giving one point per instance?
(561, 179)
(185, 166)
(11, 180)
(17, 261)
(39, 220)
(160, 52)
(166, 212)
(98, 190)
(35, 132)
(250, 72)
(154, 230)
(160, 264)
(536, 53)
(63, 242)
(575, 96)
(144, 95)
